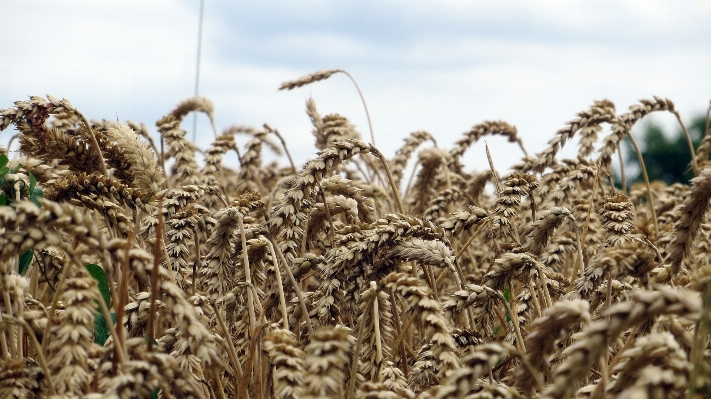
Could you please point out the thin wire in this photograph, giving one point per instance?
(197, 65)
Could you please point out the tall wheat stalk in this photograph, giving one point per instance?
(327, 280)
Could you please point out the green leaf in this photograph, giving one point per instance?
(154, 394)
(33, 182)
(98, 273)
(25, 260)
(16, 168)
(145, 339)
(3, 200)
(3, 160)
(35, 195)
(4, 170)
(101, 329)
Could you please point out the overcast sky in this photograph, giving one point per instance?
(440, 66)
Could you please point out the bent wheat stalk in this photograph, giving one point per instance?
(323, 75)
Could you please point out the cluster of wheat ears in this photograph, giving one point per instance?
(339, 278)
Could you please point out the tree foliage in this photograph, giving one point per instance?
(665, 154)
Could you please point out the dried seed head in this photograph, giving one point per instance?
(617, 218)
(308, 79)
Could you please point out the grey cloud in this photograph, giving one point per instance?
(394, 33)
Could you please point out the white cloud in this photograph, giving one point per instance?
(432, 66)
(106, 57)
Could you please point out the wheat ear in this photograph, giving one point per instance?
(198, 104)
(474, 366)
(438, 329)
(593, 340)
(146, 173)
(185, 169)
(251, 163)
(658, 349)
(72, 343)
(484, 129)
(327, 359)
(198, 340)
(37, 110)
(402, 155)
(377, 323)
(213, 173)
(217, 271)
(691, 213)
(325, 74)
(37, 139)
(315, 118)
(625, 121)
(594, 116)
(338, 185)
(288, 362)
(482, 299)
(543, 228)
(285, 218)
(424, 188)
(362, 246)
(623, 125)
(562, 316)
(502, 221)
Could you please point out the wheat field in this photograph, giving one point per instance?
(130, 270)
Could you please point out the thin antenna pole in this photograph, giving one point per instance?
(197, 65)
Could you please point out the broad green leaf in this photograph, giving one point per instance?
(101, 329)
(33, 182)
(154, 394)
(35, 195)
(25, 260)
(3, 200)
(98, 273)
(4, 170)
(3, 160)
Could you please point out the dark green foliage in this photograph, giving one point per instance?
(25, 260)
(101, 329)
(8, 194)
(666, 156)
(9, 190)
(98, 274)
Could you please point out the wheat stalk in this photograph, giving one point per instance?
(402, 155)
(593, 339)
(197, 104)
(484, 129)
(396, 313)
(323, 75)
